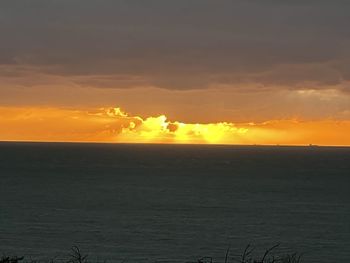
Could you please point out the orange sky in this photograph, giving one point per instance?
(236, 72)
(114, 125)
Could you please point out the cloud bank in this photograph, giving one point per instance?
(113, 125)
(177, 45)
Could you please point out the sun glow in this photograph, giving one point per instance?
(115, 125)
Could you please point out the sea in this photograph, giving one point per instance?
(173, 203)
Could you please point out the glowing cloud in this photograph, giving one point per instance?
(115, 125)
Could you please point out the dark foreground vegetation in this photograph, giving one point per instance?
(269, 256)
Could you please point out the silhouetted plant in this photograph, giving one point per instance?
(76, 256)
(247, 257)
(5, 259)
(268, 257)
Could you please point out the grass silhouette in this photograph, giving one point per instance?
(247, 256)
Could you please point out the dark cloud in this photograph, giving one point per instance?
(179, 44)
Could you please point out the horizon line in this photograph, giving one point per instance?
(179, 144)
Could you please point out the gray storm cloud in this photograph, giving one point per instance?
(185, 44)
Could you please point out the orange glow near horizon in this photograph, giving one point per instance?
(114, 125)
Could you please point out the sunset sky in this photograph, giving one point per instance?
(185, 71)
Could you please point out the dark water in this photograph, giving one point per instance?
(159, 202)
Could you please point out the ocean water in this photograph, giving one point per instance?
(174, 203)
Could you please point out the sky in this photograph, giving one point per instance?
(240, 72)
